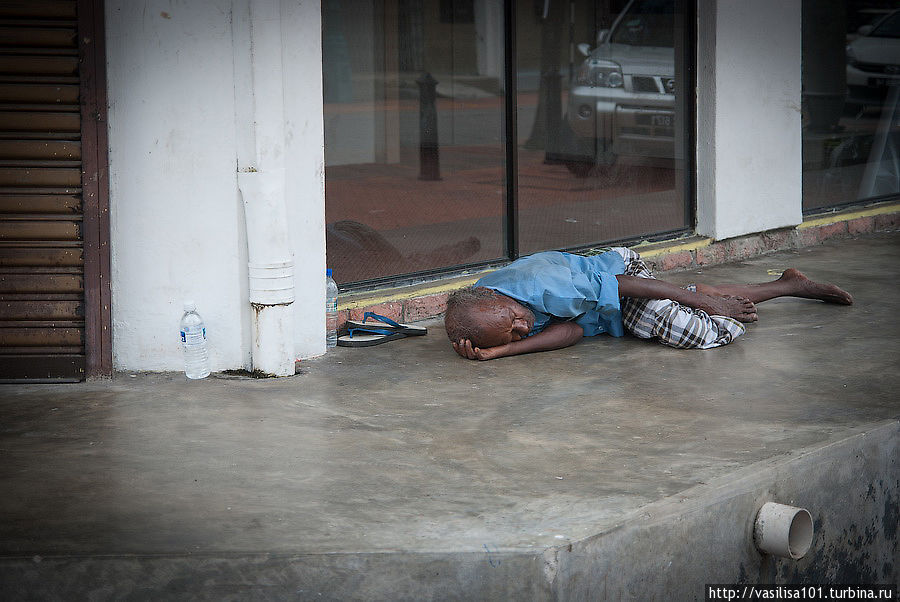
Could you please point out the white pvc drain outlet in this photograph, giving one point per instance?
(785, 531)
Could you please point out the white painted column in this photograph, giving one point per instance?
(749, 162)
(301, 22)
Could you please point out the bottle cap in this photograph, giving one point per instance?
(189, 306)
(328, 272)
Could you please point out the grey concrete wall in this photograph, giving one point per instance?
(667, 550)
(674, 547)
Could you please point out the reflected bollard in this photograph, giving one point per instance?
(429, 159)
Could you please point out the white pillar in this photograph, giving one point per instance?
(301, 22)
(749, 163)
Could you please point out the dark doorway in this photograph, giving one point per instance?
(54, 232)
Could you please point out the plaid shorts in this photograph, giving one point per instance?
(673, 324)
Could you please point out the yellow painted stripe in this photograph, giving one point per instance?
(833, 218)
(674, 248)
(401, 294)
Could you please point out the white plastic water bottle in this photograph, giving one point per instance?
(193, 341)
(331, 293)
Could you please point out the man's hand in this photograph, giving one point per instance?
(465, 348)
(555, 336)
(739, 308)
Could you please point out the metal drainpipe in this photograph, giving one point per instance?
(261, 180)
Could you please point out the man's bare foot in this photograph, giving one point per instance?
(807, 289)
(739, 308)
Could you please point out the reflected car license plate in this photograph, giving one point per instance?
(663, 120)
(882, 82)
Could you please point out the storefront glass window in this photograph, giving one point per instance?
(439, 155)
(602, 122)
(851, 116)
(414, 147)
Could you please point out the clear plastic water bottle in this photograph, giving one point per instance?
(331, 293)
(193, 341)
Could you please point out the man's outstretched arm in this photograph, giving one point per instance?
(555, 336)
(739, 308)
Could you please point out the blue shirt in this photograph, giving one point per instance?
(563, 286)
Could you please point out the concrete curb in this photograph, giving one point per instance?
(412, 304)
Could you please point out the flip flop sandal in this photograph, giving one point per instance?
(385, 323)
(367, 337)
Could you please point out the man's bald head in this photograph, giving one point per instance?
(485, 317)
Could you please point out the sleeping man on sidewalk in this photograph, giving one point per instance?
(551, 300)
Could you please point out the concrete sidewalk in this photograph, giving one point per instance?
(615, 468)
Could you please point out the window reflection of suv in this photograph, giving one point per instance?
(622, 98)
(873, 61)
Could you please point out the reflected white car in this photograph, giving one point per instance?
(873, 61)
(622, 98)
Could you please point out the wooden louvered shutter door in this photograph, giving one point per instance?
(42, 298)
